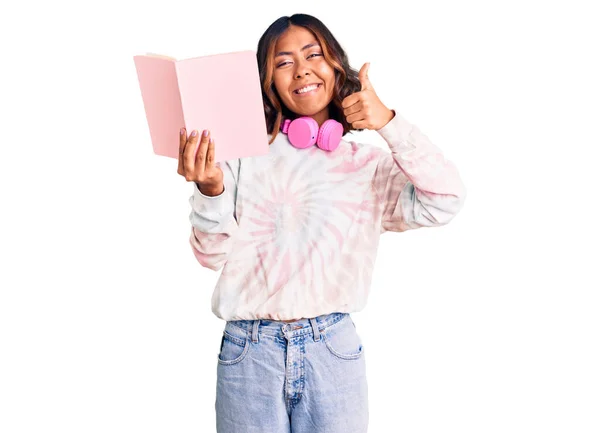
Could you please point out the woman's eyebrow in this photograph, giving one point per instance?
(305, 47)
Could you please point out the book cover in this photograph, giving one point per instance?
(220, 92)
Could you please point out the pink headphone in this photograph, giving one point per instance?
(303, 132)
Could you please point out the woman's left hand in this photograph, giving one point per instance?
(364, 109)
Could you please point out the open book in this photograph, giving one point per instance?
(221, 93)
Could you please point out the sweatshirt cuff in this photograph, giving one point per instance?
(397, 133)
(204, 203)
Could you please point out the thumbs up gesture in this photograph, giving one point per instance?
(364, 109)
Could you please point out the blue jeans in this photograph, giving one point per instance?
(307, 376)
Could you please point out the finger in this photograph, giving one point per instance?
(353, 108)
(182, 140)
(210, 155)
(188, 154)
(363, 77)
(200, 164)
(348, 101)
(361, 115)
(359, 124)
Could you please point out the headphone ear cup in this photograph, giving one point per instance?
(330, 135)
(303, 132)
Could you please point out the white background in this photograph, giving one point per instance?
(488, 324)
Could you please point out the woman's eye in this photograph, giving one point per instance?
(285, 63)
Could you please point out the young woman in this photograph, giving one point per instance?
(296, 233)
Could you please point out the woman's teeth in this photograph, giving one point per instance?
(307, 89)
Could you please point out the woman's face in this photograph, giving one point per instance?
(299, 65)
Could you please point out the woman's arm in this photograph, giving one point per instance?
(418, 186)
(213, 220)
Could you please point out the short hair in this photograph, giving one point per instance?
(346, 78)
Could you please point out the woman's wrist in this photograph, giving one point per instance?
(211, 191)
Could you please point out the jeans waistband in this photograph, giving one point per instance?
(282, 329)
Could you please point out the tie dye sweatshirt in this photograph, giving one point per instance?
(296, 231)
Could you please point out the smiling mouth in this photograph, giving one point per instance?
(309, 92)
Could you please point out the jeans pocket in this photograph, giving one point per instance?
(342, 340)
(233, 349)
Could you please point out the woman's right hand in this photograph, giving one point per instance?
(200, 166)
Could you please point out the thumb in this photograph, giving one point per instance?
(364, 78)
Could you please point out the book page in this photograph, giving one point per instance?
(222, 93)
(161, 56)
(162, 103)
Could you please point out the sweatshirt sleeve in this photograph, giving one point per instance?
(213, 220)
(418, 186)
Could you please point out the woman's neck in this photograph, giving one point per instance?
(319, 117)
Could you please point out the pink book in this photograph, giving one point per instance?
(220, 92)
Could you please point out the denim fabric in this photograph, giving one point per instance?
(307, 376)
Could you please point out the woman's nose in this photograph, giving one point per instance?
(301, 69)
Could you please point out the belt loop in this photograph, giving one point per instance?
(255, 331)
(315, 328)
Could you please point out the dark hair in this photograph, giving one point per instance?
(346, 78)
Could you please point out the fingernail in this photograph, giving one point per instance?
(205, 133)
(194, 133)
(182, 131)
